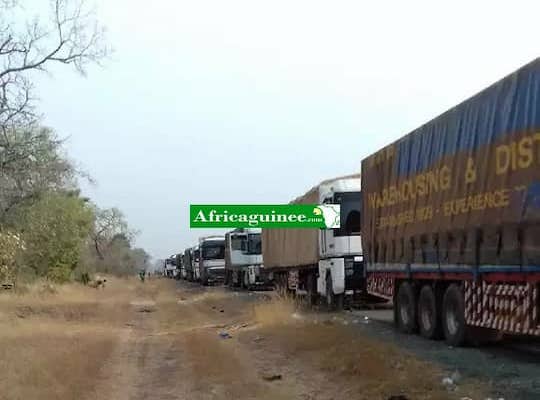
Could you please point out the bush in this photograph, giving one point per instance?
(10, 245)
(55, 228)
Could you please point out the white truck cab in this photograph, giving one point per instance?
(212, 259)
(341, 268)
(170, 266)
(244, 260)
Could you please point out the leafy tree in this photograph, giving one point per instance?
(34, 163)
(55, 229)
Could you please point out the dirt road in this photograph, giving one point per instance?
(217, 344)
(165, 340)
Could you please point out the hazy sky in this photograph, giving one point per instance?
(252, 101)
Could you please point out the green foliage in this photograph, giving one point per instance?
(32, 162)
(55, 228)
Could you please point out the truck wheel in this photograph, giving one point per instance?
(428, 314)
(453, 316)
(247, 285)
(406, 308)
(334, 302)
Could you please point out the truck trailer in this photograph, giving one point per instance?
(321, 262)
(451, 216)
(243, 259)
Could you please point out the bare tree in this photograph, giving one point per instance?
(109, 225)
(70, 35)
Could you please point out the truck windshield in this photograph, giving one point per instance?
(213, 251)
(351, 203)
(237, 241)
(254, 243)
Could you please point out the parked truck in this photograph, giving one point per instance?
(321, 262)
(180, 266)
(451, 216)
(211, 259)
(243, 259)
(189, 264)
(169, 267)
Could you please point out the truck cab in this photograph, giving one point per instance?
(179, 266)
(170, 267)
(212, 259)
(183, 268)
(341, 267)
(243, 259)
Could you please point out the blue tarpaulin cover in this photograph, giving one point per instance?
(463, 188)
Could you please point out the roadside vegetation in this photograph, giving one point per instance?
(48, 229)
(55, 340)
(354, 366)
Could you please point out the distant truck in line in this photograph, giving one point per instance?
(321, 262)
(211, 260)
(451, 216)
(180, 266)
(169, 267)
(244, 265)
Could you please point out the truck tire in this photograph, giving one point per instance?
(453, 316)
(334, 302)
(429, 321)
(406, 308)
(245, 280)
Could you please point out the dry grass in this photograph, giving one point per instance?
(72, 303)
(220, 370)
(55, 340)
(355, 366)
(55, 343)
(50, 363)
(280, 310)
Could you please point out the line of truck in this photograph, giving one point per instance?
(444, 223)
(234, 259)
